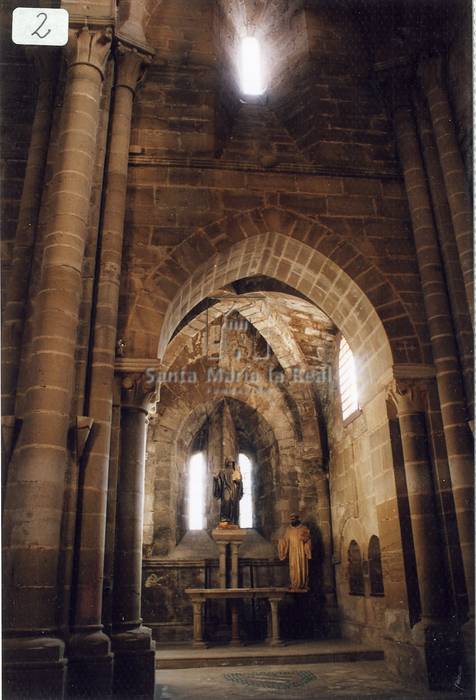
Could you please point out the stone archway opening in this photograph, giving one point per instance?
(255, 320)
(311, 274)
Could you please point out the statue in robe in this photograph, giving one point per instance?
(228, 487)
(296, 546)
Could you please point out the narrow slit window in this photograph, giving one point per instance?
(250, 67)
(347, 380)
(196, 492)
(246, 503)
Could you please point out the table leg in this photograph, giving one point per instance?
(235, 629)
(275, 638)
(197, 624)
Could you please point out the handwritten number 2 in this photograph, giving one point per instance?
(37, 30)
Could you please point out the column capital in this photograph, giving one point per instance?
(431, 72)
(138, 391)
(131, 65)
(408, 395)
(89, 46)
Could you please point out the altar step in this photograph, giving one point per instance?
(301, 652)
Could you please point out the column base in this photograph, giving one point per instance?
(275, 643)
(134, 663)
(200, 645)
(34, 667)
(90, 666)
(439, 647)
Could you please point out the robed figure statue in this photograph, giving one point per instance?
(296, 546)
(228, 487)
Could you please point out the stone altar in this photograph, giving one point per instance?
(233, 538)
(200, 595)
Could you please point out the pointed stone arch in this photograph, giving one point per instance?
(310, 272)
(295, 249)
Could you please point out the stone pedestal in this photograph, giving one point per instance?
(224, 537)
(134, 663)
(90, 664)
(31, 664)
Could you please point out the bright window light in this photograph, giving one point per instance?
(196, 491)
(347, 380)
(246, 505)
(251, 79)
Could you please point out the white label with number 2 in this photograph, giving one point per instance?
(40, 26)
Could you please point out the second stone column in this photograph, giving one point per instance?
(134, 650)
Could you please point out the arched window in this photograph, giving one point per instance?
(196, 492)
(347, 380)
(246, 503)
(356, 573)
(250, 67)
(375, 567)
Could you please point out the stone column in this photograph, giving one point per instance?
(84, 648)
(274, 638)
(449, 250)
(134, 655)
(235, 624)
(328, 578)
(113, 475)
(198, 624)
(433, 80)
(33, 653)
(46, 64)
(409, 400)
(459, 443)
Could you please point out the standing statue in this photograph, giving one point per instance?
(296, 545)
(228, 487)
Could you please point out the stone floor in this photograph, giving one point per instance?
(319, 681)
(295, 652)
(308, 670)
